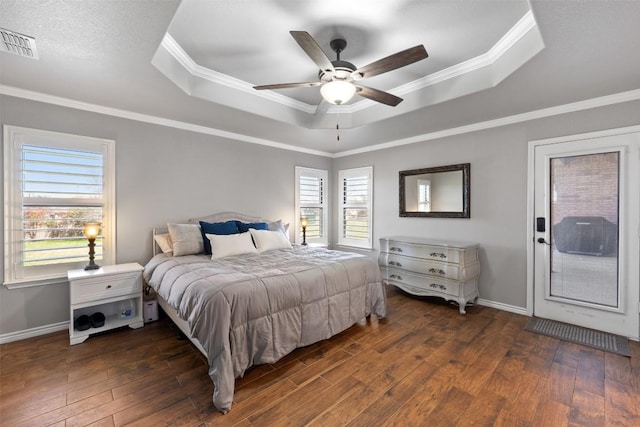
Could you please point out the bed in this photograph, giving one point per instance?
(257, 306)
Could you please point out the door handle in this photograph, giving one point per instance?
(541, 240)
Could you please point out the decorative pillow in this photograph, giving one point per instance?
(164, 241)
(230, 244)
(243, 227)
(220, 228)
(186, 239)
(266, 240)
(279, 226)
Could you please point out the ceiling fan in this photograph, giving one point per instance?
(338, 80)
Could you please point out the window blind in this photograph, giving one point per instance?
(311, 202)
(355, 211)
(356, 187)
(61, 190)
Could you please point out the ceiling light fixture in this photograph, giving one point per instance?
(338, 91)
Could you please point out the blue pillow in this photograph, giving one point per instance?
(223, 228)
(243, 227)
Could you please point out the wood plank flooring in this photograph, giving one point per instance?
(425, 365)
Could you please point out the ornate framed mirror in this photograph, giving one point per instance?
(437, 192)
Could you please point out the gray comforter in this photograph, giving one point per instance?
(256, 308)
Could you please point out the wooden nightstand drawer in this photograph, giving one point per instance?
(106, 287)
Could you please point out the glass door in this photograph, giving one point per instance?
(586, 257)
(584, 222)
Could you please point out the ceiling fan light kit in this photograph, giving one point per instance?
(338, 91)
(336, 78)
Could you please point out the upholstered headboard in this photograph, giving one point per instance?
(227, 216)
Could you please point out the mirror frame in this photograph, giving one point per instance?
(466, 192)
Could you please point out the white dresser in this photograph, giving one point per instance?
(429, 267)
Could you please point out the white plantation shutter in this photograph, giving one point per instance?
(311, 202)
(356, 189)
(61, 190)
(56, 183)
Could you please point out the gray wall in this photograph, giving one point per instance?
(498, 160)
(163, 174)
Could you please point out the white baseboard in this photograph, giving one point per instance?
(47, 329)
(33, 332)
(505, 307)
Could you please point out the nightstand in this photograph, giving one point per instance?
(113, 290)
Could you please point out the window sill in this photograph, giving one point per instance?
(30, 283)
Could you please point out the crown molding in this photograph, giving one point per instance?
(603, 101)
(146, 118)
(515, 33)
(509, 40)
(175, 50)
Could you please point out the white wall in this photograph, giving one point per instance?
(163, 174)
(498, 160)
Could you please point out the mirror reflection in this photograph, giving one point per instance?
(435, 192)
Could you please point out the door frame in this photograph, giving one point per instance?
(530, 231)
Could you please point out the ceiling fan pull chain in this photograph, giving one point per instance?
(338, 125)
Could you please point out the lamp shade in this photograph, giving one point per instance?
(91, 229)
(304, 221)
(338, 91)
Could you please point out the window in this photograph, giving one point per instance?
(54, 183)
(311, 202)
(356, 196)
(424, 195)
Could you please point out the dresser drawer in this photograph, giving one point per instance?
(441, 253)
(422, 281)
(441, 269)
(84, 290)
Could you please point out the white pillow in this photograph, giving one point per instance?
(164, 241)
(186, 239)
(266, 240)
(279, 225)
(223, 245)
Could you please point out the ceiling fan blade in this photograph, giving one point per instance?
(287, 85)
(378, 95)
(391, 62)
(323, 107)
(312, 48)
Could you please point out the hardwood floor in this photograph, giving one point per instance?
(425, 365)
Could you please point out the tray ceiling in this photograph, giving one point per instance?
(191, 64)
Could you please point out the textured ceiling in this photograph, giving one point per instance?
(101, 52)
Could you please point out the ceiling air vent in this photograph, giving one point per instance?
(18, 44)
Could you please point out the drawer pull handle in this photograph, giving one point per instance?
(396, 263)
(395, 276)
(108, 286)
(433, 271)
(438, 255)
(438, 286)
(395, 249)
